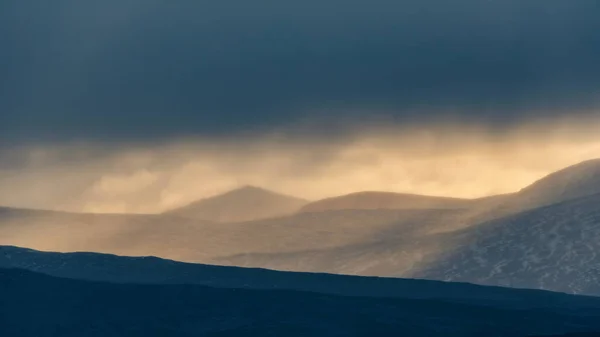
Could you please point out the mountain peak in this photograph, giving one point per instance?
(249, 189)
(571, 182)
(245, 203)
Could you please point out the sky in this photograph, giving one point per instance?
(142, 105)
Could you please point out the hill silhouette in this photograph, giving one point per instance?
(243, 204)
(39, 305)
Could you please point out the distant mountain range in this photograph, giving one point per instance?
(384, 200)
(244, 204)
(553, 247)
(166, 298)
(544, 236)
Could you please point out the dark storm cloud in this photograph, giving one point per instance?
(143, 70)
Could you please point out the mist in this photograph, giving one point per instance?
(443, 159)
(135, 106)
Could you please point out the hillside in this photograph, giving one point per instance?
(375, 242)
(39, 305)
(244, 204)
(152, 270)
(192, 240)
(126, 234)
(398, 252)
(384, 200)
(569, 183)
(554, 247)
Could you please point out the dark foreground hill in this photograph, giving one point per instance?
(580, 334)
(152, 270)
(40, 305)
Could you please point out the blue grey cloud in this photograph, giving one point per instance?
(150, 70)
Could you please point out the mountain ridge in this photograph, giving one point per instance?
(246, 203)
(383, 200)
(39, 305)
(382, 242)
(98, 267)
(550, 247)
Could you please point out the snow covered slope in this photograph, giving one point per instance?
(556, 247)
(398, 252)
(572, 182)
(569, 183)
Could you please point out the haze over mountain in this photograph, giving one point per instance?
(553, 247)
(549, 247)
(412, 138)
(243, 204)
(127, 234)
(384, 200)
(569, 183)
(379, 242)
(201, 241)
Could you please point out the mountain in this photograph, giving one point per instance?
(374, 242)
(400, 250)
(572, 182)
(553, 247)
(153, 270)
(569, 183)
(40, 305)
(244, 204)
(195, 241)
(384, 200)
(127, 234)
(190, 240)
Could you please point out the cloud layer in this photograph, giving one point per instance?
(443, 160)
(142, 105)
(149, 70)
